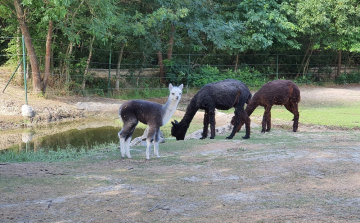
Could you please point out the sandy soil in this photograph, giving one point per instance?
(312, 175)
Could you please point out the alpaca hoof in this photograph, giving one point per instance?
(203, 138)
(246, 137)
(268, 130)
(262, 131)
(212, 137)
(229, 137)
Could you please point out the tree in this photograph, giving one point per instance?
(160, 25)
(328, 24)
(251, 25)
(98, 27)
(35, 70)
(48, 11)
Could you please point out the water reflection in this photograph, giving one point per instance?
(74, 138)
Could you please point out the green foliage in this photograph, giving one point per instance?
(208, 74)
(329, 24)
(348, 78)
(252, 77)
(304, 79)
(136, 93)
(204, 27)
(310, 78)
(176, 71)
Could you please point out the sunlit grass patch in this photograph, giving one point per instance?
(341, 116)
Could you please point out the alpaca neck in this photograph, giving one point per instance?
(189, 114)
(251, 107)
(168, 110)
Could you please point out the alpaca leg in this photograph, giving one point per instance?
(156, 142)
(245, 119)
(149, 138)
(206, 125)
(240, 117)
(212, 123)
(266, 122)
(122, 145)
(127, 147)
(125, 137)
(293, 108)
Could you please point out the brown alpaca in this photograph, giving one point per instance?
(278, 92)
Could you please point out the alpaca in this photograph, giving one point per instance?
(152, 114)
(277, 92)
(221, 95)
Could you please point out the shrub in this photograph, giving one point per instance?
(350, 78)
(205, 75)
(208, 74)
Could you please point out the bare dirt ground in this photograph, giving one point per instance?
(312, 175)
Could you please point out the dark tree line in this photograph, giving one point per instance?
(167, 27)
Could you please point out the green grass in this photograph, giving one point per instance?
(340, 116)
(67, 154)
(331, 114)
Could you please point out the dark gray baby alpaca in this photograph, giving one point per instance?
(152, 114)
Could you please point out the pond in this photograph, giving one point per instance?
(73, 138)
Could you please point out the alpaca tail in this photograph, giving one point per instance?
(120, 113)
(237, 97)
(249, 98)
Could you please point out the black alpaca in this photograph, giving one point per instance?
(152, 114)
(221, 95)
(278, 92)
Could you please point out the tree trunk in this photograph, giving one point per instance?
(338, 72)
(52, 54)
(67, 62)
(306, 66)
(19, 53)
(47, 56)
(236, 62)
(118, 67)
(303, 60)
(171, 42)
(37, 88)
(88, 63)
(66, 66)
(161, 65)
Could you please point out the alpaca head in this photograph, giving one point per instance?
(175, 92)
(177, 130)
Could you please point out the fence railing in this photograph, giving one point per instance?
(139, 71)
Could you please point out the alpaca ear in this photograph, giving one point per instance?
(170, 87)
(181, 86)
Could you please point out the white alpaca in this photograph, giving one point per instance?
(152, 114)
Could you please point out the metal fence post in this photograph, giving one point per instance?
(12, 76)
(187, 79)
(277, 66)
(24, 61)
(108, 94)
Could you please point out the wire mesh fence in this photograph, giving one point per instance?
(104, 75)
